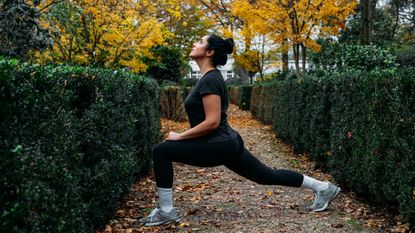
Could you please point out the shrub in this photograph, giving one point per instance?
(359, 123)
(372, 136)
(72, 142)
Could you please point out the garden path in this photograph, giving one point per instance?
(217, 200)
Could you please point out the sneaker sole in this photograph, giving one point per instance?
(328, 203)
(164, 222)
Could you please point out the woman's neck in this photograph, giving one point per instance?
(205, 66)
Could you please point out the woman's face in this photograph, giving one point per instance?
(199, 48)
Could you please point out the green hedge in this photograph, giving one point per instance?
(241, 96)
(359, 125)
(373, 135)
(72, 141)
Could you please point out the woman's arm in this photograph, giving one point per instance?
(212, 107)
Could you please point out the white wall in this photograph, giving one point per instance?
(226, 70)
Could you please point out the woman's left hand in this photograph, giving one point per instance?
(173, 136)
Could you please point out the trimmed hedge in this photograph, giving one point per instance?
(373, 135)
(359, 125)
(241, 96)
(72, 141)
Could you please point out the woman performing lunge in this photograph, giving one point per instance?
(212, 142)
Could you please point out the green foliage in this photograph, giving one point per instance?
(336, 56)
(385, 31)
(72, 141)
(372, 136)
(166, 65)
(367, 58)
(261, 97)
(241, 96)
(358, 124)
(188, 82)
(405, 56)
(20, 31)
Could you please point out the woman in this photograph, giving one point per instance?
(212, 142)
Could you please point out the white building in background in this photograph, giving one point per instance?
(226, 70)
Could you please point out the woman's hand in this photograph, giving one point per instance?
(173, 136)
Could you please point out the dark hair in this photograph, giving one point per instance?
(222, 48)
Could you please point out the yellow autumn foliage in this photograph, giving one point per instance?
(115, 33)
(108, 33)
(298, 22)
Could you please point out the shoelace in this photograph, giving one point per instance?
(152, 214)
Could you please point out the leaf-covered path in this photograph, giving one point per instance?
(217, 200)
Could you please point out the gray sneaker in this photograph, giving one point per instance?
(159, 217)
(313, 206)
(324, 197)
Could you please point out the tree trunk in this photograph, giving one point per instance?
(304, 57)
(367, 24)
(285, 56)
(242, 73)
(296, 51)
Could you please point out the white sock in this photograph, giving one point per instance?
(165, 199)
(313, 184)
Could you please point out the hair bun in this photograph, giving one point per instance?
(229, 44)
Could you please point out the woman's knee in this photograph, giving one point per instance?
(161, 149)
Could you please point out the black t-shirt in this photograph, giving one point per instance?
(211, 83)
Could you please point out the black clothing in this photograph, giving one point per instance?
(222, 147)
(231, 153)
(211, 83)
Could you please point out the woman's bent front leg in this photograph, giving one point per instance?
(198, 152)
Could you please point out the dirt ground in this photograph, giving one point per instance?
(217, 200)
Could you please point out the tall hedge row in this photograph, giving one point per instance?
(241, 96)
(359, 125)
(373, 135)
(72, 141)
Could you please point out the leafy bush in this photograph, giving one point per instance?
(372, 136)
(406, 56)
(337, 56)
(72, 142)
(358, 124)
(20, 30)
(241, 96)
(167, 63)
(259, 105)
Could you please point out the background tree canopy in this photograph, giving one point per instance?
(20, 30)
(136, 34)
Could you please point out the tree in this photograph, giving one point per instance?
(367, 8)
(295, 22)
(20, 30)
(106, 33)
(186, 21)
(257, 54)
(403, 12)
(165, 64)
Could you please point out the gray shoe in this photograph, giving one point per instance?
(159, 217)
(313, 206)
(324, 197)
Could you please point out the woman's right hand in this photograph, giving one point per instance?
(173, 136)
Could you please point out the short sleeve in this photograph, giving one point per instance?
(210, 85)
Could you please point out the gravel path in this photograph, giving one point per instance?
(217, 200)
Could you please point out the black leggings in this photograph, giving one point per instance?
(231, 153)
